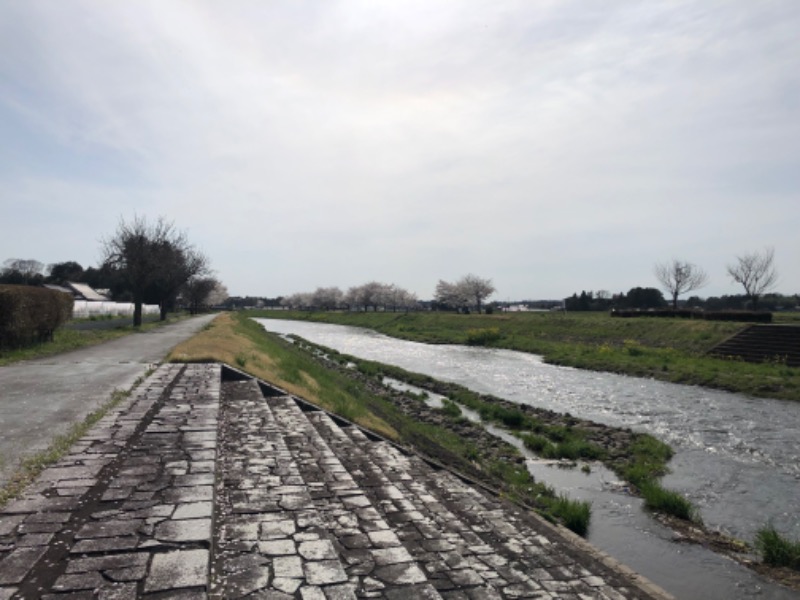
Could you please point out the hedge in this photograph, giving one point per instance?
(749, 316)
(30, 314)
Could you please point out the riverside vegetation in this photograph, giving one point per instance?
(673, 350)
(358, 394)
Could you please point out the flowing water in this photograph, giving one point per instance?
(736, 458)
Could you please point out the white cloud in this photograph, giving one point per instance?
(559, 145)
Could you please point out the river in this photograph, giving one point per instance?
(736, 458)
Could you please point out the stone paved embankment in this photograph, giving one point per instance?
(195, 488)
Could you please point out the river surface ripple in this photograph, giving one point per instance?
(736, 458)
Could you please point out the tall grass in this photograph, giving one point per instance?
(776, 550)
(574, 513)
(659, 499)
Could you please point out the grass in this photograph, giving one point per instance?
(776, 550)
(65, 340)
(571, 449)
(575, 515)
(664, 501)
(671, 350)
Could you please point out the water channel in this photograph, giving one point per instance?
(736, 458)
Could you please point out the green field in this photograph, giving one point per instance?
(667, 349)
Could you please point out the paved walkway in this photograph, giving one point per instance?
(40, 398)
(198, 488)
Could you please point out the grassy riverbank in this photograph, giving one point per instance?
(671, 350)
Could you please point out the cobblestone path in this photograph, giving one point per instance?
(194, 488)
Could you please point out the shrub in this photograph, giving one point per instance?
(450, 409)
(537, 443)
(483, 337)
(666, 501)
(750, 316)
(573, 513)
(776, 550)
(30, 314)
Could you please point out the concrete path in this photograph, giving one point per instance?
(40, 398)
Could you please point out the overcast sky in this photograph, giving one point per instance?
(549, 146)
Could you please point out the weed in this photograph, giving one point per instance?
(659, 499)
(450, 409)
(776, 550)
(574, 514)
(483, 337)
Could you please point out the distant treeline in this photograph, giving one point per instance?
(652, 298)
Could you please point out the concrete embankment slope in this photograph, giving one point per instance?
(195, 487)
(39, 399)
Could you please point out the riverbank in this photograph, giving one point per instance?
(672, 350)
(402, 417)
(236, 339)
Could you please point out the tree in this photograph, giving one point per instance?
(197, 291)
(327, 298)
(218, 296)
(449, 295)
(23, 271)
(678, 277)
(372, 294)
(640, 297)
(151, 261)
(63, 272)
(756, 273)
(468, 290)
(178, 263)
(476, 288)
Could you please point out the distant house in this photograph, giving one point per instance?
(79, 291)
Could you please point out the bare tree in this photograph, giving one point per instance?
(153, 261)
(756, 273)
(679, 276)
(178, 263)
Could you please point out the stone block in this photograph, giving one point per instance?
(177, 569)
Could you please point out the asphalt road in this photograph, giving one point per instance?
(41, 398)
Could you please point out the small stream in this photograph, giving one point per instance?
(736, 458)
